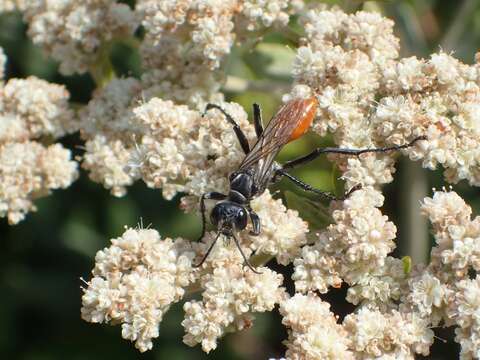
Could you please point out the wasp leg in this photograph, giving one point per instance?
(257, 120)
(255, 222)
(238, 131)
(207, 253)
(328, 150)
(237, 242)
(306, 187)
(208, 196)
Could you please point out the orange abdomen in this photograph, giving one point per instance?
(310, 107)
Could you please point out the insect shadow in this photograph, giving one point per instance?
(258, 168)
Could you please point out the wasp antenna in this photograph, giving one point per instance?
(423, 137)
(237, 242)
(207, 253)
(210, 106)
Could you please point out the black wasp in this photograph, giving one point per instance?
(258, 168)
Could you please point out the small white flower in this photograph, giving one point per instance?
(346, 249)
(135, 281)
(313, 330)
(230, 294)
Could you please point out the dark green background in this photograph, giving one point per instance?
(43, 258)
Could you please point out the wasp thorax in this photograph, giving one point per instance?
(229, 216)
(242, 184)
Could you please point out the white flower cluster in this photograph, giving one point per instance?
(369, 97)
(135, 281)
(31, 110)
(41, 109)
(153, 129)
(380, 288)
(355, 245)
(183, 151)
(391, 335)
(110, 132)
(457, 236)
(186, 40)
(426, 295)
(367, 334)
(171, 76)
(230, 294)
(139, 276)
(76, 32)
(313, 330)
(9, 5)
(443, 291)
(169, 146)
(442, 104)
(208, 24)
(465, 309)
(283, 231)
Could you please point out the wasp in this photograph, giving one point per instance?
(258, 169)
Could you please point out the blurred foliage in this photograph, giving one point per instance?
(44, 258)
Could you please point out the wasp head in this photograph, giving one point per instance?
(229, 216)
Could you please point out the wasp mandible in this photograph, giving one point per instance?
(258, 169)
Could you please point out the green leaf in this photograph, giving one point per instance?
(337, 183)
(315, 213)
(407, 264)
(280, 59)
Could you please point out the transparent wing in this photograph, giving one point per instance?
(277, 133)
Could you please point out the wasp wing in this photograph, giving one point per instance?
(276, 135)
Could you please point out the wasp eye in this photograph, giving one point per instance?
(241, 219)
(218, 214)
